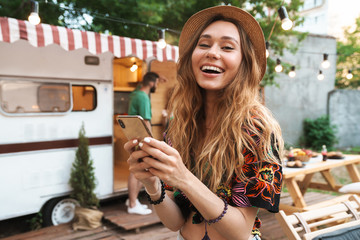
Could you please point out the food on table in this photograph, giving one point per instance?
(296, 163)
(335, 155)
(300, 154)
(290, 164)
(314, 154)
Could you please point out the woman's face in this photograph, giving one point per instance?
(217, 56)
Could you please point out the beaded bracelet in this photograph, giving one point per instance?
(206, 236)
(221, 215)
(161, 197)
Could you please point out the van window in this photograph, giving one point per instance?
(54, 98)
(34, 97)
(84, 98)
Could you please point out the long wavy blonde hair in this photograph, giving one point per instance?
(240, 114)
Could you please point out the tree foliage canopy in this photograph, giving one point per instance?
(349, 59)
(142, 18)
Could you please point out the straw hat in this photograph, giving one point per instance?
(246, 21)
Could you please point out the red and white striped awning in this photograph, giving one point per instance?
(41, 35)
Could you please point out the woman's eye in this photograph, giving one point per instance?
(203, 45)
(228, 48)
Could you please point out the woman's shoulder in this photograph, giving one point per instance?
(253, 126)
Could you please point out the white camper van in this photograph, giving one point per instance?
(53, 80)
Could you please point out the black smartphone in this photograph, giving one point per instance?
(133, 126)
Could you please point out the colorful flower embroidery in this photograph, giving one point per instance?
(264, 184)
(224, 192)
(238, 197)
(266, 175)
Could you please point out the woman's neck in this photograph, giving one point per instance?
(210, 103)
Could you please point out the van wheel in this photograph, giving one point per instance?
(58, 211)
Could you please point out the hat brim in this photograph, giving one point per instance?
(246, 21)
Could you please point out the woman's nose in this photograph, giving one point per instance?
(213, 52)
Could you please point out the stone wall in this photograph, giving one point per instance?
(344, 112)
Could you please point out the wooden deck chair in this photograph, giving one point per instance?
(323, 221)
(351, 188)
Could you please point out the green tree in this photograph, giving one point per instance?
(143, 18)
(349, 59)
(82, 178)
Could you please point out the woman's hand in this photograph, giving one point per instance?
(163, 161)
(137, 166)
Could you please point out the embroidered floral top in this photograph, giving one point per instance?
(262, 190)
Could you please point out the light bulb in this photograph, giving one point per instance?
(278, 67)
(34, 15)
(320, 76)
(134, 67)
(286, 24)
(326, 63)
(292, 73)
(349, 75)
(161, 43)
(34, 18)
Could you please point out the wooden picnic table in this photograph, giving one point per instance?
(298, 180)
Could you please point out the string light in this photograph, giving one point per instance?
(267, 44)
(286, 23)
(292, 73)
(349, 75)
(326, 63)
(34, 15)
(320, 76)
(106, 17)
(278, 67)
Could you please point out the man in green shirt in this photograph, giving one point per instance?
(140, 104)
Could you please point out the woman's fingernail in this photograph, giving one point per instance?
(147, 139)
(141, 144)
(135, 141)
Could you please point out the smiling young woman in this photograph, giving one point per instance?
(217, 56)
(220, 161)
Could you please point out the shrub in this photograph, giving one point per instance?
(319, 132)
(35, 222)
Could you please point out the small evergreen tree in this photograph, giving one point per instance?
(82, 178)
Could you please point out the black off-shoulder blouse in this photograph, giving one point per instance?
(262, 190)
